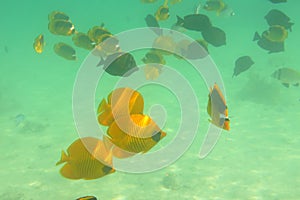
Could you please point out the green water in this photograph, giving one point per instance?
(258, 159)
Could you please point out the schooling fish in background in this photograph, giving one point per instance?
(277, 17)
(61, 27)
(99, 33)
(265, 43)
(119, 64)
(64, 50)
(153, 24)
(87, 198)
(58, 15)
(82, 40)
(126, 102)
(287, 76)
(83, 163)
(214, 36)
(242, 64)
(162, 12)
(215, 5)
(195, 22)
(39, 43)
(217, 108)
(154, 61)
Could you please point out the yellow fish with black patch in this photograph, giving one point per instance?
(162, 12)
(276, 33)
(61, 27)
(86, 158)
(58, 15)
(215, 5)
(154, 61)
(135, 134)
(217, 108)
(39, 43)
(64, 50)
(87, 198)
(121, 101)
(98, 34)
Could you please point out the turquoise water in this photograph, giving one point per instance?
(257, 159)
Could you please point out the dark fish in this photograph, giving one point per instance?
(87, 198)
(195, 22)
(270, 46)
(119, 64)
(278, 1)
(277, 17)
(214, 36)
(242, 64)
(153, 24)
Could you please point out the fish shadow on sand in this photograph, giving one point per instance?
(25, 125)
(260, 90)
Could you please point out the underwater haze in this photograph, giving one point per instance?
(257, 159)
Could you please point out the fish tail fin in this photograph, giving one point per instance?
(63, 158)
(102, 106)
(256, 36)
(101, 62)
(180, 21)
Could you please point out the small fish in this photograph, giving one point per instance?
(138, 136)
(39, 43)
(154, 61)
(82, 40)
(287, 76)
(217, 108)
(98, 33)
(195, 22)
(64, 50)
(242, 64)
(82, 160)
(58, 15)
(152, 23)
(87, 198)
(162, 12)
(277, 17)
(265, 43)
(19, 119)
(214, 36)
(126, 101)
(61, 27)
(215, 5)
(119, 64)
(278, 1)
